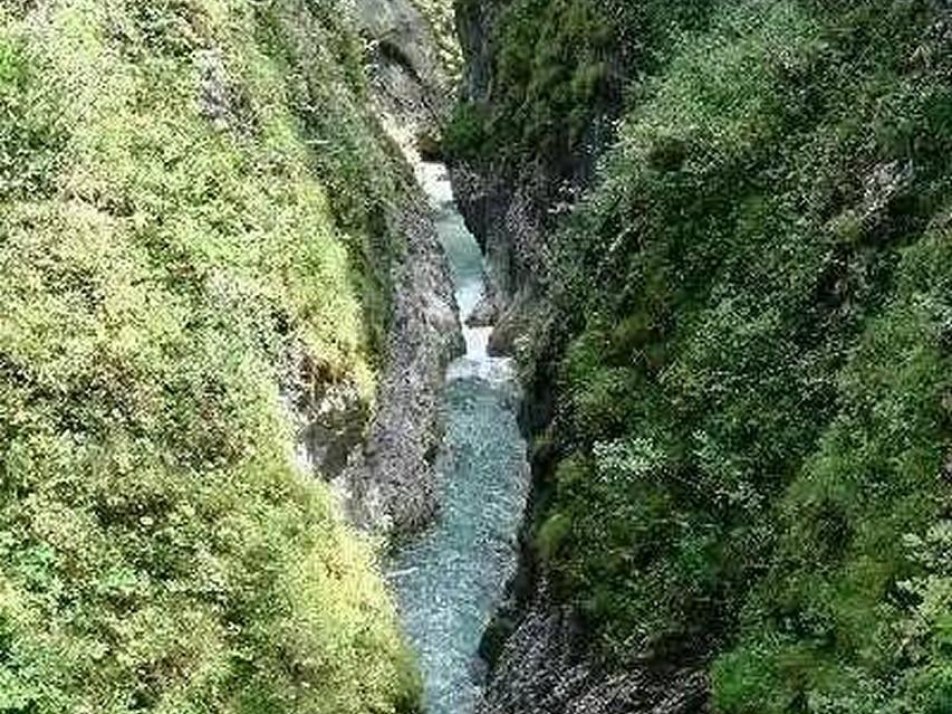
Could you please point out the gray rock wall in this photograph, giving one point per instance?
(381, 465)
(389, 486)
(412, 89)
(544, 669)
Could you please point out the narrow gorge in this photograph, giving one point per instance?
(475, 357)
(450, 581)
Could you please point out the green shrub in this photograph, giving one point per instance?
(559, 68)
(465, 136)
(755, 380)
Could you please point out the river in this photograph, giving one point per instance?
(449, 581)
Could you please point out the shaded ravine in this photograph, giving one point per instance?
(449, 581)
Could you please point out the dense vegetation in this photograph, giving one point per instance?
(755, 381)
(191, 215)
(560, 68)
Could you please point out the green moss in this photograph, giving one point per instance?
(551, 71)
(551, 535)
(177, 233)
(464, 136)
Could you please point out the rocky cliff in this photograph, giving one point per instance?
(538, 649)
(513, 197)
(413, 62)
(544, 668)
(388, 484)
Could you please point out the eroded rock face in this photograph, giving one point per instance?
(411, 89)
(328, 417)
(543, 669)
(381, 464)
(514, 211)
(389, 485)
(474, 21)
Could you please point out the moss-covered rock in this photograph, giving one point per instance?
(751, 353)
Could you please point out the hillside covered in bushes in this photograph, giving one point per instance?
(746, 319)
(191, 224)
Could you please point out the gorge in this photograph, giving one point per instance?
(450, 581)
(476, 357)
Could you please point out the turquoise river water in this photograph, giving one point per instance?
(449, 581)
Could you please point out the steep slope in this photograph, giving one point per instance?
(200, 231)
(389, 484)
(736, 335)
(415, 59)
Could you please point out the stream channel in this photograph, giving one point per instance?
(449, 581)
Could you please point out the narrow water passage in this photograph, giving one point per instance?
(449, 581)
